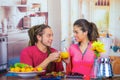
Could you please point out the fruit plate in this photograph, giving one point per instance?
(27, 74)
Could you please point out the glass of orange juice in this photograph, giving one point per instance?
(64, 54)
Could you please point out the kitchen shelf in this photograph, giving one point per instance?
(22, 8)
(21, 5)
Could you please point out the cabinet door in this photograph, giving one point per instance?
(10, 50)
(37, 20)
(19, 46)
(26, 22)
(15, 46)
(115, 64)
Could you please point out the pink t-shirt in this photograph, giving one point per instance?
(33, 56)
(81, 63)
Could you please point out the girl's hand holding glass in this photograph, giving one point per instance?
(64, 55)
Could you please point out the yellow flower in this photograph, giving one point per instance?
(98, 47)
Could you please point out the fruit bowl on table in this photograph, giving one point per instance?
(27, 74)
(25, 70)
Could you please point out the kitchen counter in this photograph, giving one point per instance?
(15, 31)
(1, 35)
(112, 53)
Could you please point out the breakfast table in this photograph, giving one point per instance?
(4, 76)
(38, 78)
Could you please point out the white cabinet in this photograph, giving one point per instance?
(16, 45)
(37, 20)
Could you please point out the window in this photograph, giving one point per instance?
(102, 2)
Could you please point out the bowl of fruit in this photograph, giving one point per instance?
(24, 70)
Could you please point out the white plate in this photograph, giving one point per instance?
(27, 74)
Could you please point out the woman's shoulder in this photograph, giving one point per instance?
(73, 45)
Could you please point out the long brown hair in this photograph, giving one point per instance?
(39, 30)
(88, 26)
(34, 31)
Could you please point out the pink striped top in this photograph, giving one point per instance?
(81, 63)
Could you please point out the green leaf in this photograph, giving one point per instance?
(97, 54)
(21, 65)
(12, 66)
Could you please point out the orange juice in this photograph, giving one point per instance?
(64, 55)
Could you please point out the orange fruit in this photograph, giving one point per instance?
(35, 69)
(17, 69)
(39, 69)
(64, 55)
(22, 69)
(32, 68)
(28, 70)
(12, 69)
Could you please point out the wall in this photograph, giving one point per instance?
(65, 22)
(61, 16)
(54, 20)
(115, 21)
(70, 12)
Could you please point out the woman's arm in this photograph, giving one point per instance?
(68, 65)
(67, 60)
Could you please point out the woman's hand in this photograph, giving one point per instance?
(54, 56)
(66, 60)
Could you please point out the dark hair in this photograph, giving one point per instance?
(34, 31)
(87, 26)
(39, 30)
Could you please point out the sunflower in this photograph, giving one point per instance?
(98, 48)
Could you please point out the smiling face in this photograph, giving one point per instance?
(79, 34)
(47, 37)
